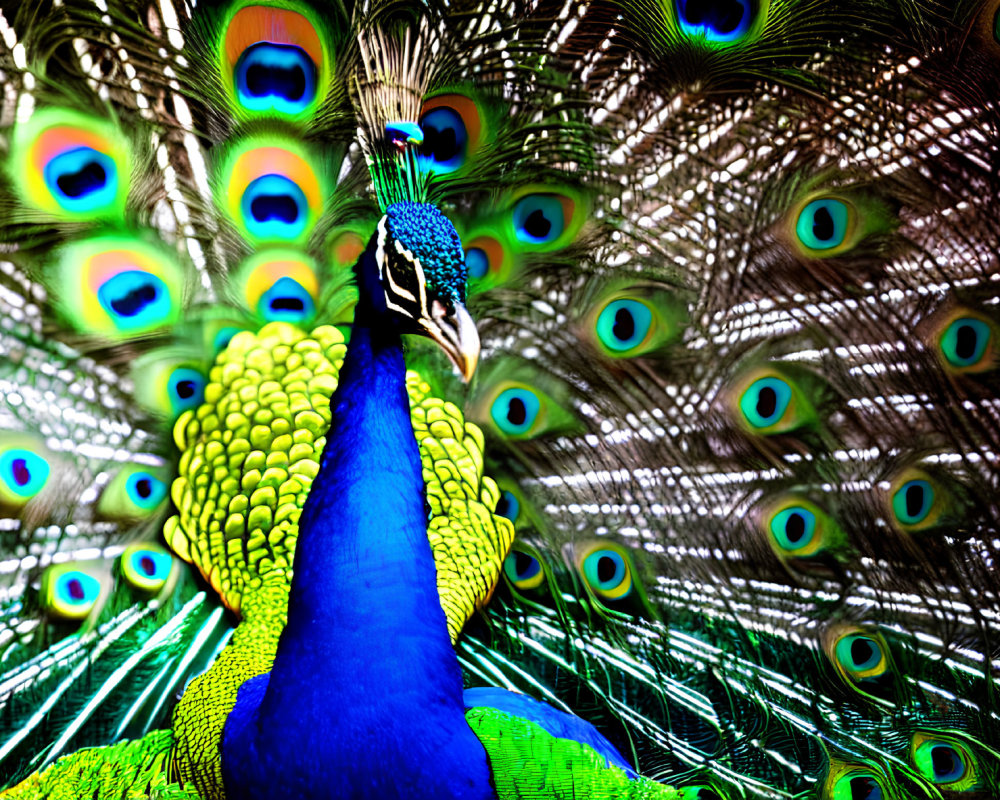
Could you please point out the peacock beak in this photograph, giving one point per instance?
(456, 334)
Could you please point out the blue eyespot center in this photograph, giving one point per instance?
(539, 219)
(624, 324)
(288, 301)
(859, 653)
(515, 410)
(715, 20)
(477, 262)
(508, 506)
(765, 402)
(965, 341)
(445, 140)
(23, 472)
(275, 77)
(823, 224)
(186, 389)
(145, 490)
(865, 788)
(913, 501)
(947, 763)
(793, 528)
(607, 572)
(274, 207)
(135, 299)
(521, 567)
(77, 589)
(83, 179)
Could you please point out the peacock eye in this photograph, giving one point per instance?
(135, 300)
(487, 261)
(944, 762)
(859, 657)
(719, 21)
(445, 140)
(922, 501)
(772, 405)
(623, 325)
(115, 286)
(794, 529)
(508, 505)
(23, 474)
(82, 179)
(523, 570)
(859, 654)
(540, 219)
(912, 502)
(274, 61)
(515, 411)
(477, 263)
(71, 165)
(133, 493)
(606, 571)
(281, 287)
(185, 389)
(271, 193)
(69, 592)
(825, 224)
(275, 77)
(146, 566)
(858, 785)
(274, 207)
(966, 344)
(453, 130)
(146, 490)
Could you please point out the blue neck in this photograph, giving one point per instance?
(365, 689)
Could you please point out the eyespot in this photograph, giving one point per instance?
(966, 343)
(82, 179)
(274, 207)
(920, 501)
(281, 286)
(24, 472)
(477, 263)
(508, 505)
(912, 502)
(274, 77)
(772, 404)
(824, 224)
(132, 494)
(523, 570)
(117, 287)
(828, 225)
(607, 571)
(69, 592)
(71, 165)
(168, 384)
(541, 219)
(858, 785)
(515, 411)
(794, 528)
(275, 62)
(717, 21)
(147, 567)
(346, 247)
(944, 762)
(859, 654)
(453, 130)
(271, 193)
(488, 262)
(765, 402)
(624, 324)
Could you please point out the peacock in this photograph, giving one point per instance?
(698, 497)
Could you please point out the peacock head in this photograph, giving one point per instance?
(421, 266)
